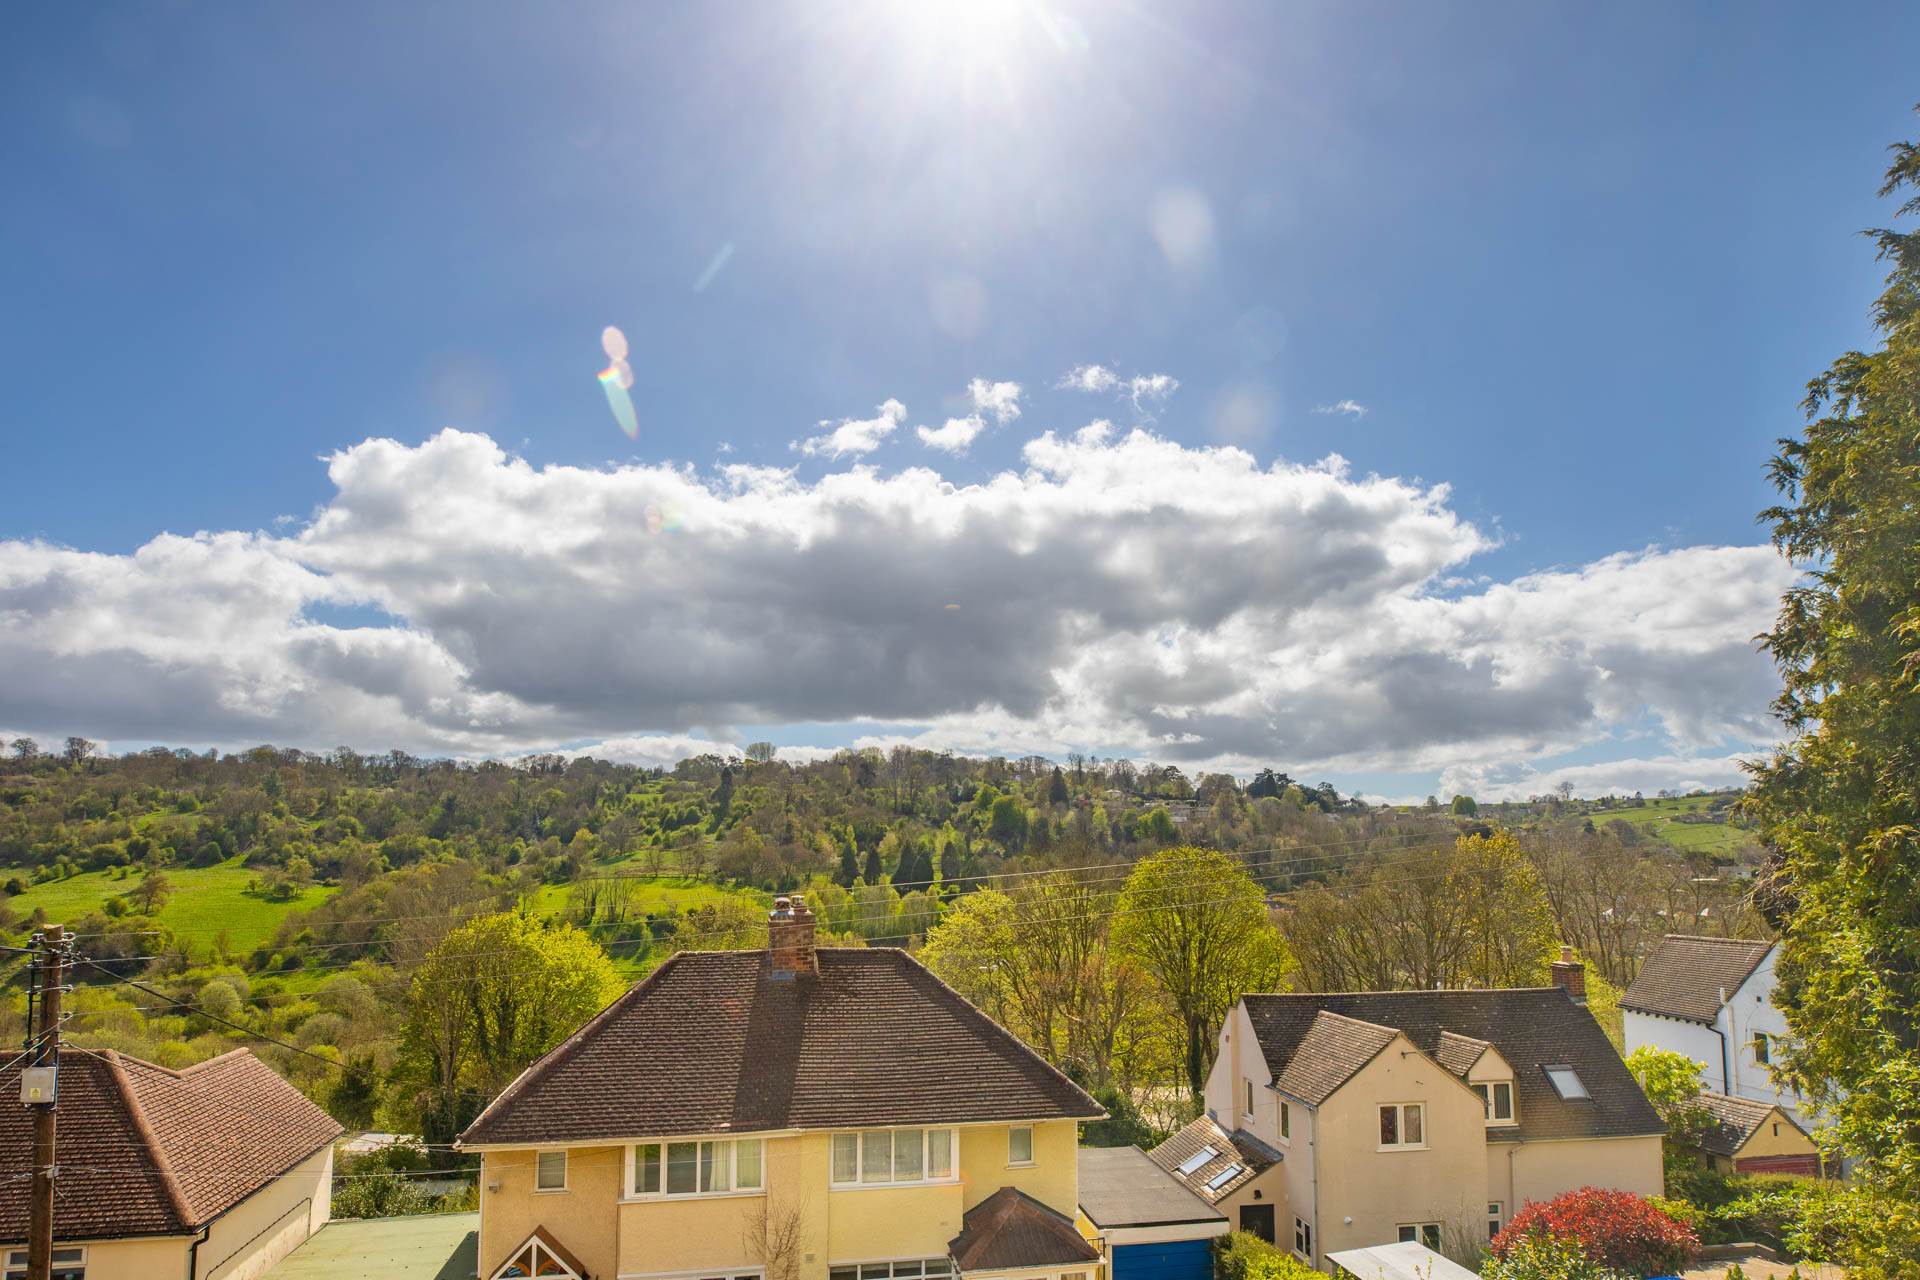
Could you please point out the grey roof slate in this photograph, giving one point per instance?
(1532, 1028)
(707, 1043)
(1123, 1187)
(1687, 974)
(1734, 1121)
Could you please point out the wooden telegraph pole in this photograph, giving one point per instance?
(40, 1089)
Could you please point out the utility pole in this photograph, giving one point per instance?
(40, 1089)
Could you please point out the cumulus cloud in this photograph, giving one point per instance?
(1518, 779)
(1122, 593)
(1351, 408)
(998, 400)
(854, 435)
(1098, 379)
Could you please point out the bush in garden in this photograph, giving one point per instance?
(1617, 1229)
(1545, 1257)
(1241, 1255)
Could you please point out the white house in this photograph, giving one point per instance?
(1712, 999)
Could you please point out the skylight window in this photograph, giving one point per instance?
(1199, 1158)
(1223, 1177)
(1567, 1083)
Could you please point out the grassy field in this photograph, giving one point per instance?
(650, 897)
(205, 901)
(1657, 819)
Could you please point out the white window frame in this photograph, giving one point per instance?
(630, 1173)
(1496, 1217)
(1249, 1095)
(1487, 1089)
(1029, 1162)
(951, 1272)
(64, 1262)
(1419, 1236)
(1303, 1236)
(860, 1157)
(566, 1171)
(1285, 1123)
(712, 1273)
(1400, 1126)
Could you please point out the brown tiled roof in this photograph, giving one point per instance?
(1458, 1053)
(707, 1044)
(1331, 1049)
(1734, 1121)
(1687, 975)
(1532, 1028)
(147, 1151)
(1240, 1148)
(1011, 1229)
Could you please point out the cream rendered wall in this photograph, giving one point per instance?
(144, 1259)
(1789, 1141)
(612, 1238)
(1269, 1188)
(244, 1242)
(1446, 1182)
(1518, 1172)
(1298, 1176)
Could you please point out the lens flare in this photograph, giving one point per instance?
(617, 379)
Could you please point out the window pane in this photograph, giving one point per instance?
(940, 1266)
(551, 1170)
(1389, 1126)
(1286, 1121)
(875, 1271)
(876, 1157)
(1412, 1124)
(716, 1167)
(1406, 1234)
(646, 1169)
(1020, 1146)
(843, 1273)
(905, 1270)
(1430, 1236)
(846, 1157)
(939, 1153)
(683, 1168)
(909, 1145)
(1503, 1102)
(746, 1168)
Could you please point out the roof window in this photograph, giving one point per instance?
(1197, 1159)
(1567, 1083)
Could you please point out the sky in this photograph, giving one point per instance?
(1376, 392)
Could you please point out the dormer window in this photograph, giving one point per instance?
(1497, 1097)
(1567, 1083)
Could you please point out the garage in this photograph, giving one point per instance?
(1146, 1224)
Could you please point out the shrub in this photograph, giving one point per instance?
(1545, 1257)
(1241, 1255)
(1619, 1230)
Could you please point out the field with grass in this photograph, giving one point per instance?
(205, 901)
(1660, 819)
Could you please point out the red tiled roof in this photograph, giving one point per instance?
(143, 1150)
(1010, 1229)
(707, 1043)
(1690, 977)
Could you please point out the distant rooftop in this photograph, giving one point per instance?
(437, 1246)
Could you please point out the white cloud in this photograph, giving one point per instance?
(1351, 408)
(1001, 400)
(1121, 593)
(955, 436)
(1098, 379)
(1518, 780)
(854, 435)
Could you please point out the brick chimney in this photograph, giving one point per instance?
(1568, 973)
(790, 940)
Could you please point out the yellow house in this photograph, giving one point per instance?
(215, 1172)
(797, 1113)
(1756, 1137)
(1343, 1121)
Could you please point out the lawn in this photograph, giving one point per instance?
(1657, 819)
(205, 901)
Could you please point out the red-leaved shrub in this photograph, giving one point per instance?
(1615, 1228)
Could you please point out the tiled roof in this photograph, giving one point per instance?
(1691, 977)
(1010, 1229)
(708, 1044)
(1532, 1028)
(1734, 1121)
(148, 1151)
(1332, 1048)
(1458, 1053)
(1239, 1148)
(1123, 1187)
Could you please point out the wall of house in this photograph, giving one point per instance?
(147, 1259)
(1518, 1172)
(1269, 1188)
(1298, 1176)
(1239, 1059)
(245, 1241)
(1752, 1009)
(1789, 1141)
(1365, 1192)
(611, 1237)
(1691, 1038)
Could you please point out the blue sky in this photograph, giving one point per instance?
(1576, 263)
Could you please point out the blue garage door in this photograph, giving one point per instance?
(1179, 1260)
